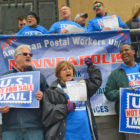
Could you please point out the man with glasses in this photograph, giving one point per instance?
(32, 27)
(102, 21)
(23, 123)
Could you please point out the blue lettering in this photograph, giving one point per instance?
(101, 109)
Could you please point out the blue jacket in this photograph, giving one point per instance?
(96, 24)
(22, 117)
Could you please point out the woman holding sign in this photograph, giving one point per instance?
(67, 112)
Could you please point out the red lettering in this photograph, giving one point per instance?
(49, 62)
(59, 59)
(122, 34)
(24, 88)
(10, 90)
(3, 47)
(125, 37)
(73, 61)
(112, 55)
(119, 60)
(15, 89)
(132, 113)
(5, 44)
(11, 63)
(104, 59)
(127, 113)
(31, 87)
(8, 42)
(118, 31)
(81, 59)
(36, 64)
(96, 59)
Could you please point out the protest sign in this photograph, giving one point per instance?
(18, 89)
(49, 50)
(129, 111)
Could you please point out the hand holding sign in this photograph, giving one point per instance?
(39, 95)
(106, 29)
(132, 88)
(4, 109)
(71, 106)
(64, 31)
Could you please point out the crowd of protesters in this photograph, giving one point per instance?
(67, 25)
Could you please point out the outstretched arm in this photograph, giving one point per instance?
(95, 79)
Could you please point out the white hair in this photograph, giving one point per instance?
(19, 48)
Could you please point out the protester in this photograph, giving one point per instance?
(23, 123)
(134, 23)
(62, 25)
(58, 110)
(102, 21)
(32, 27)
(119, 78)
(81, 19)
(21, 22)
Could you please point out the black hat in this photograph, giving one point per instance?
(35, 15)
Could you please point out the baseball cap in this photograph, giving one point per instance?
(81, 15)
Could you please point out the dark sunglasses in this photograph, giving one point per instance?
(97, 6)
(25, 54)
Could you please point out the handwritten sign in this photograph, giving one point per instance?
(77, 93)
(111, 21)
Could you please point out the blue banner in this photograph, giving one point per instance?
(129, 111)
(18, 89)
(48, 50)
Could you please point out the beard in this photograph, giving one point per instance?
(83, 24)
(98, 15)
(101, 14)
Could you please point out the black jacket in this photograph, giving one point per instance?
(23, 117)
(55, 107)
(133, 24)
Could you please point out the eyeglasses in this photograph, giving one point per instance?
(97, 6)
(25, 54)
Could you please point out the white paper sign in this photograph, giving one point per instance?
(111, 21)
(74, 29)
(77, 90)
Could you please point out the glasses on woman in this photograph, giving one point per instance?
(97, 6)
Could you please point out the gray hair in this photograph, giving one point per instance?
(19, 48)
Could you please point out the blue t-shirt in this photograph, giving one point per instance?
(133, 75)
(96, 24)
(28, 30)
(57, 26)
(77, 123)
